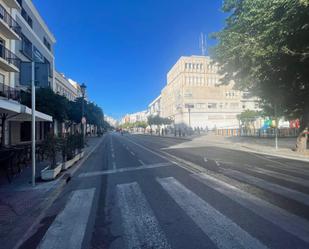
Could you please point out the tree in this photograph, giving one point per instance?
(247, 117)
(264, 49)
(48, 102)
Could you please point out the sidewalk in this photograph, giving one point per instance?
(21, 204)
(258, 145)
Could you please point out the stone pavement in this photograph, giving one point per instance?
(20, 203)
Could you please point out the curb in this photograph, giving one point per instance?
(54, 195)
(248, 149)
(179, 138)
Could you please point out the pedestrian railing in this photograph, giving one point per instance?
(270, 132)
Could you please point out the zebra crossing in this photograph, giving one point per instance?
(142, 229)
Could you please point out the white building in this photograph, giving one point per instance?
(193, 96)
(67, 87)
(134, 117)
(111, 121)
(15, 126)
(154, 108)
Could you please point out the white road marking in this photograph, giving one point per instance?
(113, 155)
(219, 228)
(142, 163)
(141, 228)
(120, 170)
(132, 153)
(205, 159)
(282, 176)
(288, 193)
(217, 163)
(287, 221)
(114, 166)
(68, 229)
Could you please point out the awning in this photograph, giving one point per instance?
(19, 112)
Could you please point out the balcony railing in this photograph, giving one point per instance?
(9, 56)
(9, 20)
(9, 92)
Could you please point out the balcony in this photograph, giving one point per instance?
(8, 92)
(8, 26)
(8, 60)
(12, 4)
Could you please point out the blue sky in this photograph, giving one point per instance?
(123, 49)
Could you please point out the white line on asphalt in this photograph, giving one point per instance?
(217, 163)
(121, 170)
(290, 169)
(132, 153)
(219, 228)
(113, 155)
(114, 166)
(287, 221)
(282, 176)
(205, 159)
(142, 163)
(288, 193)
(141, 228)
(68, 229)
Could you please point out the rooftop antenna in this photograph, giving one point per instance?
(203, 44)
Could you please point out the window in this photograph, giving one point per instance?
(221, 105)
(50, 71)
(212, 105)
(200, 105)
(25, 131)
(234, 105)
(27, 18)
(26, 46)
(2, 80)
(47, 44)
(37, 56)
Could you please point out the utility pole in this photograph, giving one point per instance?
(189, 117)
(203, 44)
(33, 120)
(276, 128)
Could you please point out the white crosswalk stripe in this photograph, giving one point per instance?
(288, 222)
(220, 229)
(68, 229)
(275, 188)
(141, 227)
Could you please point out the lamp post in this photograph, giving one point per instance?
(83, 89)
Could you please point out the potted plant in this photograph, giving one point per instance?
(70, 152)
(51, 147)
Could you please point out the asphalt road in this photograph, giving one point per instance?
(145, 192)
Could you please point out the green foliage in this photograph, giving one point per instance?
(248, 115)
(264, 49)
(49, 103)
(157, 120)
(62, 109)
(51, 146)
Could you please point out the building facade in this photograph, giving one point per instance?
(154, 108)
(37, 44)
(66, 87)
(134, 117)
(194, 98)
(18, 19)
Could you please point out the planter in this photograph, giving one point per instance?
(69, 164)
(51, 174)
(81, 155)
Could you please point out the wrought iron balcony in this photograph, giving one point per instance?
(10, 62)
(9, 26)
(9, 92)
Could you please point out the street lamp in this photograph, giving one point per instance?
(83, 121)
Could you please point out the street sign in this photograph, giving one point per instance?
(84, 120)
